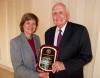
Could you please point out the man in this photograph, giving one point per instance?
(73, 43)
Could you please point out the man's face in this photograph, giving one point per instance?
(59, 15)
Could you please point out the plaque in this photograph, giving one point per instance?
(47, 57)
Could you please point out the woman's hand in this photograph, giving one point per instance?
(44, 75)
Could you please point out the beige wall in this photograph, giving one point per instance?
(96, 72)
(85, 12)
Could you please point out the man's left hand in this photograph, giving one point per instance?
(58, 66)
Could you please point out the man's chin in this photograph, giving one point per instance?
(59, 25)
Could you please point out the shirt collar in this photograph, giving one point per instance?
(63, 28)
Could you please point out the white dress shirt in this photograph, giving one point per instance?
(57, 32)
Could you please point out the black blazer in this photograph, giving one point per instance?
(74, 52)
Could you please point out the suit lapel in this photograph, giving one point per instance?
(52, 36)
(36, 45)
(26, 46)
(66, 35)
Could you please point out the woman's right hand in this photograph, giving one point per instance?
(44, 75)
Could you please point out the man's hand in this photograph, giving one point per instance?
(58, 66)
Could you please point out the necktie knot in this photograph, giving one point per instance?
(60, 30)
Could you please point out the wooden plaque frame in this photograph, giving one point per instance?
(48, 55)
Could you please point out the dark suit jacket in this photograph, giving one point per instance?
(74, 51)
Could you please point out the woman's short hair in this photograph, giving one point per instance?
(26, 17)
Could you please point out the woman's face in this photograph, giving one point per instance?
(29, 27)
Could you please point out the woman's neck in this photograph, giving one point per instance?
(28, 36)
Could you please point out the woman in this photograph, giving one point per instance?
(25, 48)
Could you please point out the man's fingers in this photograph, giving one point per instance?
(58, 66)
(54, 68)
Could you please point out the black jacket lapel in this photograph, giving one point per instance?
(66, 35)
